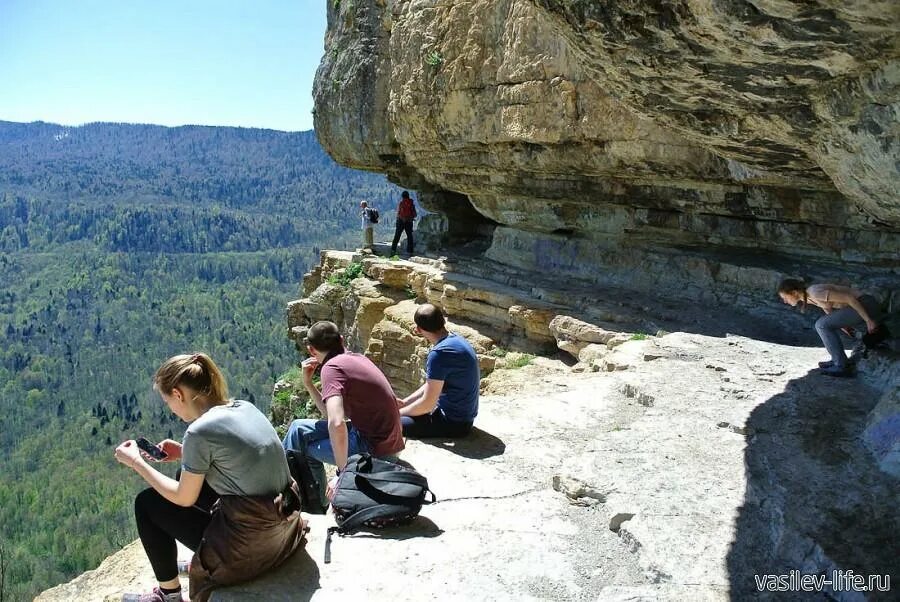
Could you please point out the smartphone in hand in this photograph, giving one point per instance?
(151, 450)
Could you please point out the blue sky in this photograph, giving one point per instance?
(169, 62)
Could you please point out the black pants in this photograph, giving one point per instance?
(433, 425)
(160, 523)
(403, 225)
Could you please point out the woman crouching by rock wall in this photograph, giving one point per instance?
(844, 307)
(233, 503)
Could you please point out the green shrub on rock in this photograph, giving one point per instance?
(291, 401)
(346, 275)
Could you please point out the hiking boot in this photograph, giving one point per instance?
(838, 371)
(155, 596)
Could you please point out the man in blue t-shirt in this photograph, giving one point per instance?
(446, 405)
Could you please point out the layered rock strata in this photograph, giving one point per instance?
(666, 146)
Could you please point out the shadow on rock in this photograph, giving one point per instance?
(294, 581)
(816, 500)
(477, 445)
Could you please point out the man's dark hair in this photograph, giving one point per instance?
(429, 318)
(405, 194)
(324, 336)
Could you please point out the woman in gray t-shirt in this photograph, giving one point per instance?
(234, 481)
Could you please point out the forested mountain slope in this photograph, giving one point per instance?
(119, 246)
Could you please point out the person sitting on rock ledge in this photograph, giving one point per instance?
(354, 388)
(446, 405)
(234, 502)
(844, 309)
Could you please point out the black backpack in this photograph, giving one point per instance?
(310, 500)
(373, 215)
(371, 492)
(872, 340)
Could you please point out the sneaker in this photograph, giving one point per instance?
(155, 596)
(827, 364)
(837, 371)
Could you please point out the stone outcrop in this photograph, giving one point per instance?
(127, 571)
(575, 336)
(679, 148)
(692, 471)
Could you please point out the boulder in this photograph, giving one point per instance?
(573, 336)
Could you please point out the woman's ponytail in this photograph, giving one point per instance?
(196, 371)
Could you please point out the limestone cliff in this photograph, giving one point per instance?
(681, 147)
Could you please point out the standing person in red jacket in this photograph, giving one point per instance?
(406, 214)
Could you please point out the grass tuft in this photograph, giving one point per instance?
(521, 361)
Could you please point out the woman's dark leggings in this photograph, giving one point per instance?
(160, 523)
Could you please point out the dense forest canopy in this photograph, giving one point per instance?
(121, 245)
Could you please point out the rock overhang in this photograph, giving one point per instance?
(657, 125)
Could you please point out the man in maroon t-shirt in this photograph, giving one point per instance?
(352, 387)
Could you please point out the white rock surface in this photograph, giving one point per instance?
(573, 489)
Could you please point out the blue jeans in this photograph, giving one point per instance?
(311, 437)
(829, 326)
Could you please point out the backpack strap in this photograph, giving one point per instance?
(395, 476)
(331, 531)
(385, 498)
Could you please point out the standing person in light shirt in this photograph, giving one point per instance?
(368, 219)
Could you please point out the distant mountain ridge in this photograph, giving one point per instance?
(233, 167)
